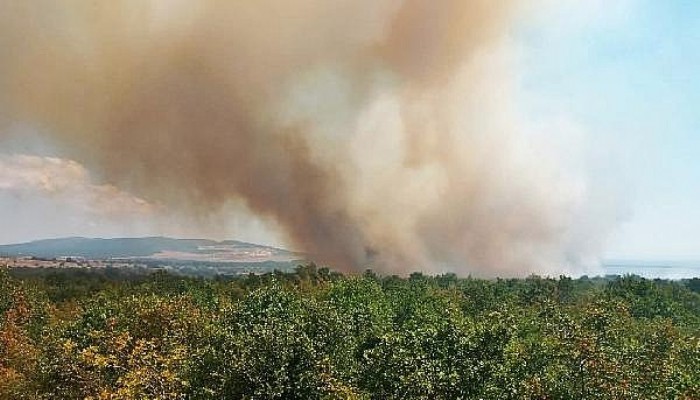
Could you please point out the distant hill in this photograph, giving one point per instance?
(152, 248)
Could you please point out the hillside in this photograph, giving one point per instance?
(155, 248)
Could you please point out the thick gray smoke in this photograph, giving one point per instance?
(378, 132)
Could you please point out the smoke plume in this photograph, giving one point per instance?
(380, 132)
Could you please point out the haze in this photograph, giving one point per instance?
(452, 136)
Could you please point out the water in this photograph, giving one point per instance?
(654, 269)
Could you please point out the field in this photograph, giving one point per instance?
(316, 334)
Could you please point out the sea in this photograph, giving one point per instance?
(653, 269)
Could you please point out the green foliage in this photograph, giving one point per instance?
(314, 334)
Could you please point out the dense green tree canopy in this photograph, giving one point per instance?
(315, 334)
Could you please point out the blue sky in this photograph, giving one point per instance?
(628, 74)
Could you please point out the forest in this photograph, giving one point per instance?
(317, 334)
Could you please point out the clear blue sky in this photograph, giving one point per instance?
(628, 73)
